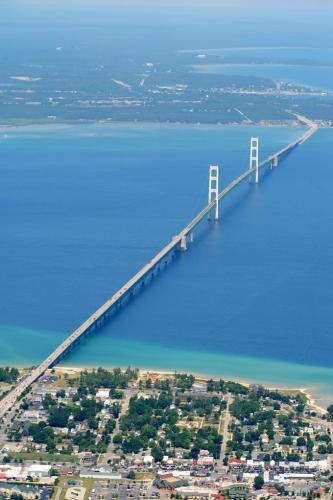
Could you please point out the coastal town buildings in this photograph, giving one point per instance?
(167, 434)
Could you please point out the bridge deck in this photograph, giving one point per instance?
(117, 298)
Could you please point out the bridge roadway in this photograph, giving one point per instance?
(105, 311)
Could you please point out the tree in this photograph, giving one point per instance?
(117, 439)
(16, 496)
(41, 433)
(132, 444)
(8, 375)
(325, 438)
(113, 379)
(48, 401)
(301, 441)
(277, 456)
(149, 431)
(258, 483)
(115, 410)
(293, 457)
(58, 416)
(184, 381)
(279, 487)
(131, 474)
(236, 388)
(110, 426)
(93, 423)
(157, 454)
(330, 412)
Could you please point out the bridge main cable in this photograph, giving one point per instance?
(98, 316)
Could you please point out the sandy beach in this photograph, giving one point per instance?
(313, 399)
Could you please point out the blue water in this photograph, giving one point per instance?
(83, 207)
(308, 66)
(306, 75)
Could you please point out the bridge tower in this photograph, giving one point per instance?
(213, 191)
(254, 157)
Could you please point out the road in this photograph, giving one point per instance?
(227, 418)
(109, 455)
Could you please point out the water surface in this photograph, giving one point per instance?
(83, 207)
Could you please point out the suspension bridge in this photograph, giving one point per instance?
(178, 242)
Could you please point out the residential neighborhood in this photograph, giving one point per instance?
(100, 434)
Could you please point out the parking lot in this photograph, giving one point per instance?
(123, 490)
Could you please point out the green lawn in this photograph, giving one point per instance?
(43, 457)
(63, 485)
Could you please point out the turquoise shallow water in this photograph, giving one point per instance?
(315, 380)
(83, 207)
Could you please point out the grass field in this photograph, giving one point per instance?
(62, 487)
(43, 457)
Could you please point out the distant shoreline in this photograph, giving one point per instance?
(265, 123)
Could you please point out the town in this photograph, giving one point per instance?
(175, 89)
(102, 434)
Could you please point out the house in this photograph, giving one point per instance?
(103, 393)
(148, 459)
(204, 453)
(31, 415)
(66, 470)
(206, 461)
(9, 472)
(264, 439)
(234, 462)
(199, 388)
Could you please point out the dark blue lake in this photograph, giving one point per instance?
(83, 207)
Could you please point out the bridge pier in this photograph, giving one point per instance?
(191, 237)
(254, 158)
(183, 244)
(213, 190)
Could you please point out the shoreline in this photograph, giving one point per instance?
(315, 391)
(292, 123)
(313, 399)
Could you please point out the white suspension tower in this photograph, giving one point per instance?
(254, 157)
(213, 191)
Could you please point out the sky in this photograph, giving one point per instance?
(172, 24)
